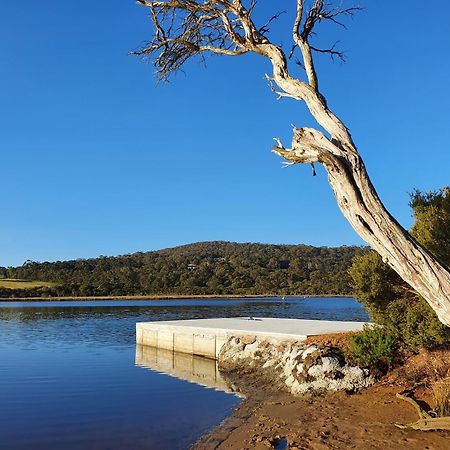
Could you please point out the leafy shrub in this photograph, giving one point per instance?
(373, 347)
(414, 323)
(374, 282)
(390, 301)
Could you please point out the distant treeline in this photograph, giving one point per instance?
(202, 268)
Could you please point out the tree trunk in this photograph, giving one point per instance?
(356, 196)
(360, 204)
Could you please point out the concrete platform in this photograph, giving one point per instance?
(205, 337)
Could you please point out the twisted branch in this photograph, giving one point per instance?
(426, 422)
(185, 28)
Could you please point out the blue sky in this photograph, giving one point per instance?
(98, 159)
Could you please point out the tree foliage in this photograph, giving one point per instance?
(432, 222)
(390, 301)
(202, 268)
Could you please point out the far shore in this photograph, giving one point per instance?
(163, 297)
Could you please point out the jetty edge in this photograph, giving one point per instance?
(206, 337)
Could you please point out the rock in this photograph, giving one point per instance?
(300, 368)
(309, 350)
(268, 363)
(328, 365)
(247, 340)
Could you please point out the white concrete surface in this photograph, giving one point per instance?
(205, 337)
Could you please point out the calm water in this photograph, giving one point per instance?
(68, 378)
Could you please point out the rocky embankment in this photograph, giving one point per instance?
(295, 367)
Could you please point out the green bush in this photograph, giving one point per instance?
(373, 347)
(392, 303)
(414, 323)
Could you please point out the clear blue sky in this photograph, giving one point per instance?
(96, 158)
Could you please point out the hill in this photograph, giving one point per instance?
(201, 268)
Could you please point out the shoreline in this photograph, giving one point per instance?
(272, 417)
(165, 297)
(336, 420)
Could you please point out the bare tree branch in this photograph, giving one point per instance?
(280, 94)
(321, 10)
(331, 51)
(301, 40)
(303, 29)
(185, 28)
(265, 28)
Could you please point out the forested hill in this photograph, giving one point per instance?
(201, 268)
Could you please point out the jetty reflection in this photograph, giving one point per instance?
(191, 368)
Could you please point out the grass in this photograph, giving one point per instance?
(441, 394)
(10, 283)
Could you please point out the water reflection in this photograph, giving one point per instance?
(191, 368)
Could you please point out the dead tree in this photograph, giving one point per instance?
(183, 29)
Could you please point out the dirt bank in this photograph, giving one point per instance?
(335, 421)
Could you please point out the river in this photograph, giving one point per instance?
(69, 378)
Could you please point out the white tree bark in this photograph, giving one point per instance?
(357, 197)
(360, 204)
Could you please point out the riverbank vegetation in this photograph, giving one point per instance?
(408, 336)
(392, 304)
(207, 268)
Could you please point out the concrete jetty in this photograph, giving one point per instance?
(205, 337)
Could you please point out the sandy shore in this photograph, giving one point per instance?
(335, 421)
(271, 418)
